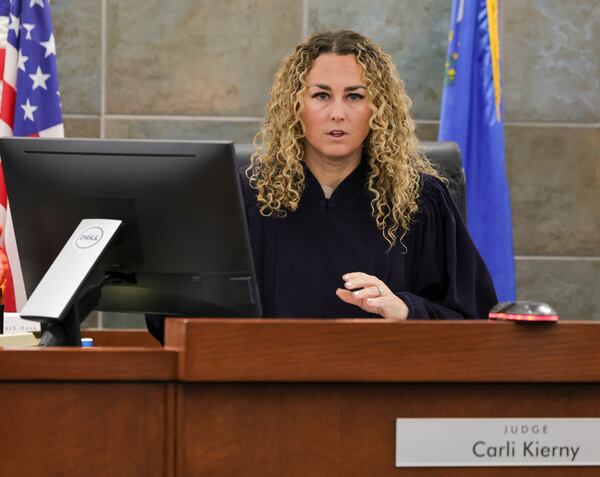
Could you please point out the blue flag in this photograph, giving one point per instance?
(472, 115)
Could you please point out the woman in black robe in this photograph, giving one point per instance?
(346, 218)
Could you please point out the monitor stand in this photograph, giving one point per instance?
(58, 301)
(66, 332)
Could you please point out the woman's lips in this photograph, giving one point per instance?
(336, 133)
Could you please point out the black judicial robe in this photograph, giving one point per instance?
(300, 259)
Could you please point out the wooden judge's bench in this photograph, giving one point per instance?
(228, 397)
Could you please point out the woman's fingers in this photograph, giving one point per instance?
(364, 303)
(368, 292)
(380, 303)
(355, 280)
(389, 305)
(348, 297)
(372, 295)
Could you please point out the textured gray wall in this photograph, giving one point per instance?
(202, 69)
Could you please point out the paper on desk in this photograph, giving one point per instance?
(18, 340)
(13, 323)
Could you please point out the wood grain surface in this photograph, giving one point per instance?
(88, 364)
(380, 351)
(84, 429)
(267, 398)
(116, 337)
(348, 429)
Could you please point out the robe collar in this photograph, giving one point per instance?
(313, 192)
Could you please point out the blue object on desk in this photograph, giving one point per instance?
(87, 342)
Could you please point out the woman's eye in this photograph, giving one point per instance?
(320, 96)
(355, 97)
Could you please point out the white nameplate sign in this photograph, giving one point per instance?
(13, 323)
(497, 442)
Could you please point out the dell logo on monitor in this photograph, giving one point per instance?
(89, 237)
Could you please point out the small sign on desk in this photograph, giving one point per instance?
(13, 323)
(497, 442)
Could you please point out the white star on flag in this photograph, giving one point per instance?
(14, 24)
(28, 27)
(21, 61)
(36, 2)
(39, 79)
(29, 110)
(49, 45)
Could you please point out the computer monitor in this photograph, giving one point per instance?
(183, 248)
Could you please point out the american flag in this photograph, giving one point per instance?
(30, 103)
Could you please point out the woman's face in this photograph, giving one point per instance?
(336, 111)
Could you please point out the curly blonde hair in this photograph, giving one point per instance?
(394, 181)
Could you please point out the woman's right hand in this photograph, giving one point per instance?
(372, 295)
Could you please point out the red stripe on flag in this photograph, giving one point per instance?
(2, 56)
(7, 108)
(9, 292)
(3, 196)
(8, 299)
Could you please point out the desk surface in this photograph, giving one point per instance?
(380, 351)
(100, 364)
(221, 350)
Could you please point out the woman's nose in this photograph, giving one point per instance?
(337, 112)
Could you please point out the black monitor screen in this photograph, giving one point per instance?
(184, 236)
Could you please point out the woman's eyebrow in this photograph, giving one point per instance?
(354, 88)
(328, 88)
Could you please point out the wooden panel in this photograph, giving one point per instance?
(121, 338)
(83, 429)
(88, 364)
(376, 350)
(170, 429)
(275, 429)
